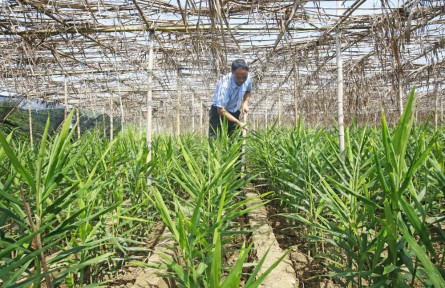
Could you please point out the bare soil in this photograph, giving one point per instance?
(308, 270)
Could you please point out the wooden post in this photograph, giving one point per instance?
(65, 112)
(178, 106)
(78, 122)
(193, 112)
(122, 111)
(265, 113)
(436, 108)
(340, 117)
(149, 101)
(400, 96)
(30, 121)
(201, 124)
(441, 107)
(104, 125)
(243, 149)
(111, 119)
(296, 92)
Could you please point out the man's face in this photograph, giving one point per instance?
(240, 76)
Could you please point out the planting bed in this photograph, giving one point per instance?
(88, 203)
(308, 270)
(271, 234)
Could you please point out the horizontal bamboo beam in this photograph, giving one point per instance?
(138, 28)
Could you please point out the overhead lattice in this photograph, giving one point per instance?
(95, 52)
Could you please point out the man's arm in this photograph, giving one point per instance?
(223, 112)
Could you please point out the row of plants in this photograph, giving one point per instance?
(375, 214)
(73, 211)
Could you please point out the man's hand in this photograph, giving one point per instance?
(242, 125)
(245, 108)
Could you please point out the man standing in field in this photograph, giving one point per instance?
(232, 93)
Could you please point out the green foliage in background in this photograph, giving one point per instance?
(71, 211)
(375, 218)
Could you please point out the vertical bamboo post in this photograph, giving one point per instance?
(111, 118)
(193, 112)
(201, 124)
(78, 122)
(243, 149)
(279, 110)
(65, 112)
(122, 111)
(436, 108)
(296, 92)
(149, 101)
(441, 107)
(400, 96)
(340, 117)
(104, 125)
(265, 113)
(178, 106)
(30, 121)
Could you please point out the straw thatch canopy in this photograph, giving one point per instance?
(95, 53)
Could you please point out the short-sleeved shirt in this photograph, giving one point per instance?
(228, 95)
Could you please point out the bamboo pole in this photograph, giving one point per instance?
(65, 112)
(201, 124)
(179, 28)
(149, 101)
(111, 119)
(178, 106)
(121, 105)
(341, 135)
(441, 108)
(400, 96)
(12, 110)
(296, 92)
(78, 122)
(279, 109)
(193, 112)
(122, 112)
(103, 125)
(436, 108)
(30, 121)
(265, 114)
(243, 149)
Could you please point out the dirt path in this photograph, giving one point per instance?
(263, 238)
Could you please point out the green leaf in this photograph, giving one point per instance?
(432, 272)
(388, 269)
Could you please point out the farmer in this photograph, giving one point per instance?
(232, 93)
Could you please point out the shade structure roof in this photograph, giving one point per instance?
(94, 53)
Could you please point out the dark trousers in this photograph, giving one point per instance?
(216, 120)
